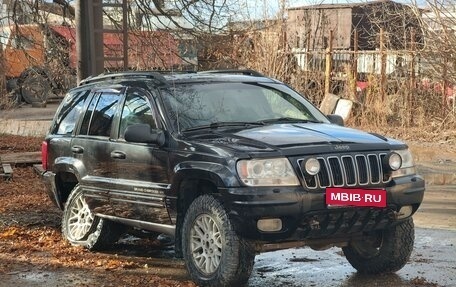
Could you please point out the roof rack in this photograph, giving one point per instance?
(122, 75)
(247, 72)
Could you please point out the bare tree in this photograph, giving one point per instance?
(438, 24)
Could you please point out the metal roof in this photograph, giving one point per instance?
(343, 5)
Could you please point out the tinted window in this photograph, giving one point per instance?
(100, 113)
(135, 111)
(69, 112)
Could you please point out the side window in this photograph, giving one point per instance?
(284, 105)
(136, 110)
(98, 118)
(69, 113)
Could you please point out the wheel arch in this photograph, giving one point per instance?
(187, 185)
(67, 176)
(64, 182)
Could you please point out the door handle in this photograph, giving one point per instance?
(77, 149)
(118, 155)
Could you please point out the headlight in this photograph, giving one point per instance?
(407, 166)
(267, 172)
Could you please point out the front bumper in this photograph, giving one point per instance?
(304, 214)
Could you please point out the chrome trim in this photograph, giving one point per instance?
(359, 161)
(378, 167)
(355, 170)
(331, 178)
(358, 168)
(317, 178)
(381, 156)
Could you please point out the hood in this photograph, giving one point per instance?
(277, 136)
(309, 133)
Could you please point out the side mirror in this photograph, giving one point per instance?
(336, 119)
(143, 133)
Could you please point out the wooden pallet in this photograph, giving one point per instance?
(27, 158)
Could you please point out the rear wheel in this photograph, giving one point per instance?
(81, 227)
(386, 251)
(215, 255)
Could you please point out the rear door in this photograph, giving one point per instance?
(92, 147)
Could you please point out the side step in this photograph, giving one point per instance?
(156, 227)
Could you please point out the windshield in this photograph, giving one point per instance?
(205, 104)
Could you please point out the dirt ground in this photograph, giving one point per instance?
(31, 242)
(33, 253)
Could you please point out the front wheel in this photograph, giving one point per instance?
(386, 251)
(215, 255)
(81, 227)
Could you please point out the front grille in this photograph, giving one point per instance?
(346, 171)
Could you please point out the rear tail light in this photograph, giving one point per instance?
(44, 155)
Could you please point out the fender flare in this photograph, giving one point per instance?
(65, 165)
(220, 175)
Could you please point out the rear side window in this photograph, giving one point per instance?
(69, 113)
(100, 114)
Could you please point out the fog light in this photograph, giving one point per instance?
(394, 161)
(312, 166)
(269, 225)
(404, 212)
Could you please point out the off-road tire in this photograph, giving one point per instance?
(96, 233)
(235, 255)
(389, 253)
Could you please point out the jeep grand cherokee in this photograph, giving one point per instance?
(228, 163)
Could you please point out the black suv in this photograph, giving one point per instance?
(228, 163)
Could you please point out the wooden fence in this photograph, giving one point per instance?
(348, 70)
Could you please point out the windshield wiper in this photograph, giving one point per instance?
(288, 120)
(223, 124)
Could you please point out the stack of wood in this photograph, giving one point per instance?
(8, 161)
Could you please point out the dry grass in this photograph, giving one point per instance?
(8, 100)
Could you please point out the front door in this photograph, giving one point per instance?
(141, 169)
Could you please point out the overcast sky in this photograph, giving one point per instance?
(261, 8)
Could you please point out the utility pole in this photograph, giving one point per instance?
(383, 79)
(329, 63)
(89, 38)
(2, 73)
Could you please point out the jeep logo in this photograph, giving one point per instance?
(341, 147)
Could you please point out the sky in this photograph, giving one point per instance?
(260, 8)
